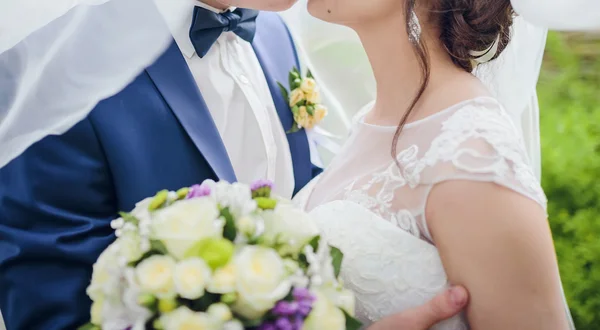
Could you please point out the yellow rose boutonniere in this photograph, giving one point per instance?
(304, 99)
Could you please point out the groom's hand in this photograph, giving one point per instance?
(442, 307)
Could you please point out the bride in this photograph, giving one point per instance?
(448, 194)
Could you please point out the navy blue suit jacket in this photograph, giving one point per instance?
(58, 198)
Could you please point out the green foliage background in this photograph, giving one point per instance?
(569, 94)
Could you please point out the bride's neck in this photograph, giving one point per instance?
(397, 69)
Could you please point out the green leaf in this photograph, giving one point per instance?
(314, 242)
(310, 110)
(229, 231)
(337, 257)
(158, 246)
(309, 74)
(128, 217)
(295, 128)
(89, 326)
(351, 322)
(284, 91)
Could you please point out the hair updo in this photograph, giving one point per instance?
(472, 25)
(464, 26)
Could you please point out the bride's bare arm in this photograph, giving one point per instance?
(497, 243)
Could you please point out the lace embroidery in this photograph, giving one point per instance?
(502, 158)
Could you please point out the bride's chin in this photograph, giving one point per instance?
(320, 9)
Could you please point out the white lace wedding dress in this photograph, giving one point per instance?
(374, 211)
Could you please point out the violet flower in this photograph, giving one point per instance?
(198, 190)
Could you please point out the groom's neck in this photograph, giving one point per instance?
(216, 4)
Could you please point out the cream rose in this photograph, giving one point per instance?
(185, 223)
(155, 275)
(308, 85)
(314, 97)
(324, 315)
(320, 113)
(191, 277)
(261, 281)
(289, 225)
(303, 119)
(183, 318)
(223, 280)
(296, 96)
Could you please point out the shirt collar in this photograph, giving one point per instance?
(178, 15)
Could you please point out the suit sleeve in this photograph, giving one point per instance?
(56, 203)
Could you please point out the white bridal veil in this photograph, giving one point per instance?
(59, 58)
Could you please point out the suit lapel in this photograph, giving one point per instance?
(175, 82)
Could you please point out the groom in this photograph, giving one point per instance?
(208, 108)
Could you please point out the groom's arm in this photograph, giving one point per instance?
(56, 202)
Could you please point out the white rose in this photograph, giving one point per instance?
(314, 97)
(185, 223)
(183, 318)
(233, 325)
(296, 96)
(261, 281)
(105, 275)
(289, 225)
(220, 311)
(223, 280)
(96, 311)
(155, 275)
(308, 85)
(130, 245)
(191, 277)
(324, 315)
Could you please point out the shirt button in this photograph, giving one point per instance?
(244, 79)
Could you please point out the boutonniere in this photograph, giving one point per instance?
(304, 99)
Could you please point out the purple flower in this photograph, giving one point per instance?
(284, 324)
(302, 294)
(261, 184)
(261, 188)
(298, 322)
(285, 308)
(267, 326)
(198, 190)
(305, 307)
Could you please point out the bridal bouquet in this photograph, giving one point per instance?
(218, 256)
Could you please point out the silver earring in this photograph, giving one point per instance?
(414, 25)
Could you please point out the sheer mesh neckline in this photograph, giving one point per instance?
(362, 114)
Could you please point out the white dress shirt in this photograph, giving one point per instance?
(236, 92)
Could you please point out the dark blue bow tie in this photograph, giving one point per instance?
(207, 26)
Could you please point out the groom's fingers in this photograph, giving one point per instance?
(442, 307)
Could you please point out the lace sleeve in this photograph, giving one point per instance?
(481, 144)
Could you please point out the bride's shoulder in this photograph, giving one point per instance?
(479, 141)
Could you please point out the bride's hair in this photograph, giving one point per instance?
(464, 26)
